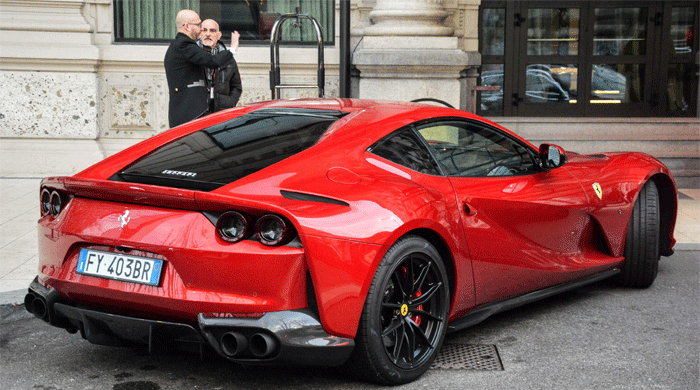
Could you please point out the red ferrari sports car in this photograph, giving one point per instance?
(337, 231)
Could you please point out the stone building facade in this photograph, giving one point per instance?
(72, 95)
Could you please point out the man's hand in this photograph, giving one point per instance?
(234, 40)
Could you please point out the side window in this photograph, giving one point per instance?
(403, 147)
(472, 150)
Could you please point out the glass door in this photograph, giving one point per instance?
(589, 58)
(496, 78)
(548, 35)
(622, 58)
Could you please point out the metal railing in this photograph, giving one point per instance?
(275, 80)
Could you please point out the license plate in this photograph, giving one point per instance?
(119, 266)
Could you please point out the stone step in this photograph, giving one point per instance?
(613, 129)
(689, 166)
(658, 148)
(687, 181)
(674, 141)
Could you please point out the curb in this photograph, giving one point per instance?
(15, 297)
(687, 246)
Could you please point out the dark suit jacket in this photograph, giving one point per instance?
(184, 68)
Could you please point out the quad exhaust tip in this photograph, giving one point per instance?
(260, 345)
(37, 306)
(233, 343)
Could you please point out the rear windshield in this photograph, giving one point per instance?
(223, 153)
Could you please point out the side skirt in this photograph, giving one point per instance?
(483, 312)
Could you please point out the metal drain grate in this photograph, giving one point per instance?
(468, 357)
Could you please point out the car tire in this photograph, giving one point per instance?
(401, 332)
(642, 245)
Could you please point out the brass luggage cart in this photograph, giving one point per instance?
(275, 81)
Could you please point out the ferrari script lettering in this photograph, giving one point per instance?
(179, 173)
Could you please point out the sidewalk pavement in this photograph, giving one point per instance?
(19, 212)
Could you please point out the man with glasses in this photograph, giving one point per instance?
(184, 65)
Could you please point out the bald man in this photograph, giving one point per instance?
(225, 86)
(184, 65)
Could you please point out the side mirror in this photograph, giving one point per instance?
(551, 156)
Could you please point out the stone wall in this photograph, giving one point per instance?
(63, 76)
(132, 105)
(48, 105)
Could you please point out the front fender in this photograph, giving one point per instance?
(620, 177)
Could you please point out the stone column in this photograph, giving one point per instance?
(408, 53)
(48, 100)
(409, 17)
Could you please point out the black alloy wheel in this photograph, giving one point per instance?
(404, 320)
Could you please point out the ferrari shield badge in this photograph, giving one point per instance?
(598, 190)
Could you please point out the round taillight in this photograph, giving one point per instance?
(56, 204)
(232, 226)
(273, 230)
(45, 202)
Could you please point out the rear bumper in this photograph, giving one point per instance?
(283, 337)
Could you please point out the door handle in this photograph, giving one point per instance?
(469, 209)
(516, 99)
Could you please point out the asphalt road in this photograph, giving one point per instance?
(596, 337)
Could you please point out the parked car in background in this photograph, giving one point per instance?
(545, 84)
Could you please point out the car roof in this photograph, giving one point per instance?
(352, 105)
(369, 112)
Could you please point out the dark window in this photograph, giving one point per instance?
(588, 58)
(467, 149)
(154, 20)
(226, 152)
(403, 147)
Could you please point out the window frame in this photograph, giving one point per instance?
(328, 36)
(420, 143)
(464, 123)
